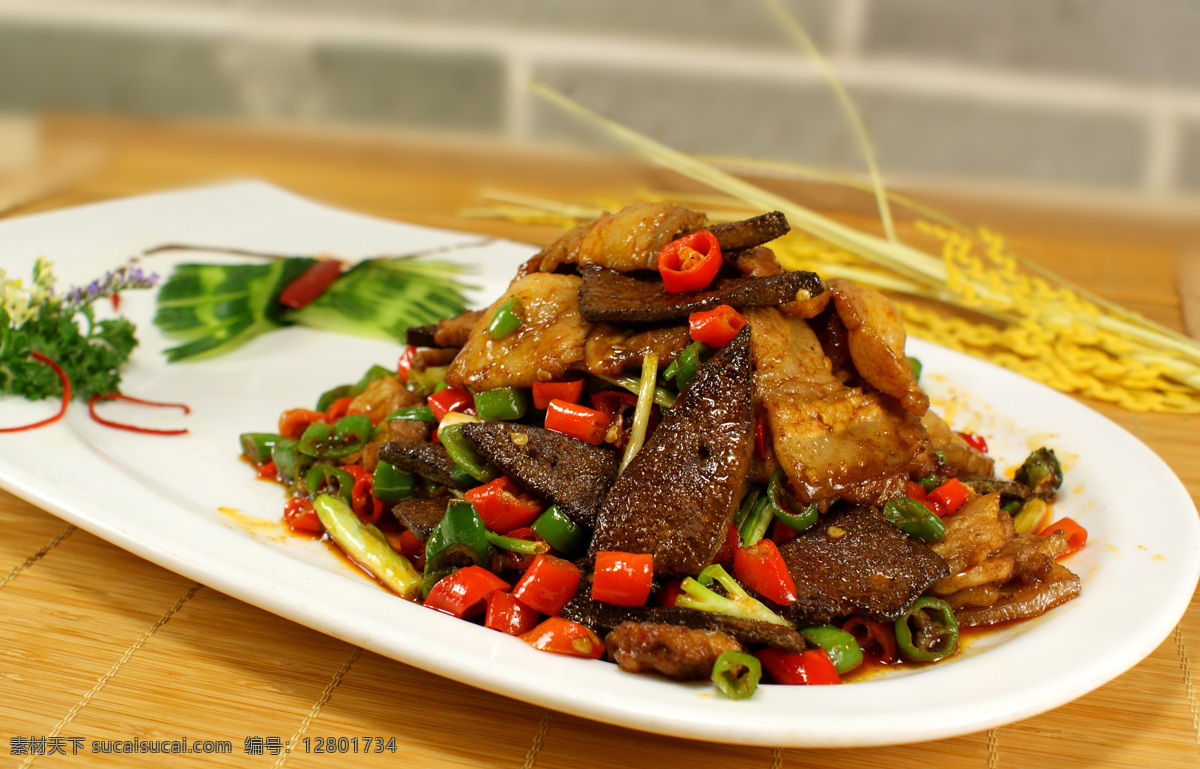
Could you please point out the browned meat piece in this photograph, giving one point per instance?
(748, 233)
(1020, 600)
(548, 343)
(448, 332)
(959, 454)
(979, 529)
(1007, 489)
(993, 570)
(627, 240)
(973, 597)
(605, 616)
(875, 335)
(676, 652)
(678, 495)
(854, 562)
(834, 339)
(382, 397)
(428, 460)
(832, 441)
(611, 297)
(396, 430)
(556, 467)
(421, 516)
(1034, 555)
(429, 357)
(611, 350)
(753, 262)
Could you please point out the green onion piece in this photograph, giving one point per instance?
(641, 411)
(426, 382)
(689, 362)
(913, 518)
(508, 318)
(749, 499)
(736, 603)
(322, 478)
(258, 447)
(662, 396)
(560, 532)
(329, 396)
(736, 674)
(464, 454)
(290, 464)
(936, 630)
(843, 650)
(1032, 513)
(514, 545)
(349, 435)
(502, 404)
(367, 546)
(931, 482)
(668, 374)
(754, 527)
(915, 365)
(392, 485)
(778, 500)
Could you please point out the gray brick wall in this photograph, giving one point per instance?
(1102, 93)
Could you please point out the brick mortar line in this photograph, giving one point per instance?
(31, 560)
(783, 66)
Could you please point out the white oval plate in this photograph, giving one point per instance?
(188, 503)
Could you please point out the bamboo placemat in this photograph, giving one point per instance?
(100, 646)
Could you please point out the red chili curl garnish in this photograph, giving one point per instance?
(66, 396)
(134, 428)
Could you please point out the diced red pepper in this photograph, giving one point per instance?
(450, 399)
(950, 495)
(781, 532)
(915, 491)
(588, 425)
(519, 561)
(544, 392)
(1076, 535)
(974, 441)
(873, 638)
(300, 517)
(409, 544)
(293, 422)
(729, 548)
(565, 637)
(717, 326)
(338, 409)
(462, 593)
(669, 592)
(310, 284)
(760, 568)
(503, 505)
(548, 584)
(613, 402)
(812, 667)
(623, 579)
(689, 263)
(404, 365)
(362, 494)
(508, 615)
(268, 471)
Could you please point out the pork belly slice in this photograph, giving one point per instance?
(611, 297)
(548, 342)
(676, 498)
(556, 467)
(447, 332)
(833, 441)
(630, 239)
(612, 349)
(852, 561)
(682, 653)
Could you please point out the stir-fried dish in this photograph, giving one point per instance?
(660, 448)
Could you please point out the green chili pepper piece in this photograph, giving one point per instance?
(367, 546)
(777, 499)
(916, 367)
(913, 518)
(426, 382)
(559, 531)
(464, 455)
(668, 374)
(1012, 506)
(392, 485)
(329, 396)
(755, 526)
(460, 539)
(843, 650)
(508, 318)
(411, 414)
(258, 447)
(323, 478)
(1041, 472)
(502, 403)
(349, 435)
(936, 636)
(736, 674)
(373, 373)
(931, 482)
(514, 545)
(689, 362)
(289, 462)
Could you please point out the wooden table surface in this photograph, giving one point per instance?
(97, 644)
